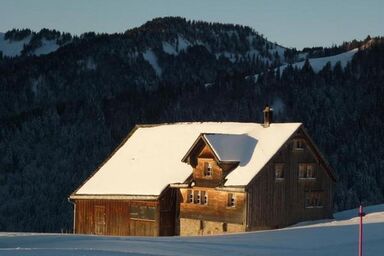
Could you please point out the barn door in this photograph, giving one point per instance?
(100, 220)
(142, 228)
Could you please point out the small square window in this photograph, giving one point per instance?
(298, 144)
(306, 171)
(279, 171)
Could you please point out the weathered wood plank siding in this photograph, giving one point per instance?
(277, 203)
(169, 212)
(216, 209)
(116, 217)
(214, 217)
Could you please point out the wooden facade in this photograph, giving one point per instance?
(275, 202)
(127, 217)
(296, 184)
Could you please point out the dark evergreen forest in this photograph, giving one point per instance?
(63, 113)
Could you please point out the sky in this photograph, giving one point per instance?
(290, 23)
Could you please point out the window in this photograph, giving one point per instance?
(298, 144)
(204, 197)
(231, 200)
(306, 171)
(142, 212)
(313, 200)
(197, 197)
(279, 171)
(310, 171)
(189, 196)
(207, 169)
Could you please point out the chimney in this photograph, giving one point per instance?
(268, 115)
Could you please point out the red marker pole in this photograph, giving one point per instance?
(361, 215)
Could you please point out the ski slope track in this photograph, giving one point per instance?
(326, 237)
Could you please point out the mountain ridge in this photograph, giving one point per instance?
(63, 113)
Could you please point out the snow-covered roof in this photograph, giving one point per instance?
(150, 159)
(232, 147)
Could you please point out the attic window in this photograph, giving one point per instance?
(207, 169)
(313, 200)
(231, 200)
(298, 144)
(279, 171)
(306, 171)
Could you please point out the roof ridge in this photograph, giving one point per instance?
(208, 122)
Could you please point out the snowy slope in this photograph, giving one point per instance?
(14, 48)
(335, 237)
(151, 58)
(318, 64)
(174, 48)
(47, 46)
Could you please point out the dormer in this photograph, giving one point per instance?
(214, 156)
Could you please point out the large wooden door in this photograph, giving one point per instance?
(100, 223)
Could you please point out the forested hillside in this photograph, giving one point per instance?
(62, 113)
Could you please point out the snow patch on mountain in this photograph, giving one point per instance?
(252, 53)
(169, 48)
(151, 57)
(181, 44)
(278, 50)
(90, 64)
(232, 57)
(318, 64)
(302, 55)
(47, 46)
(12, 48)
(174, 47)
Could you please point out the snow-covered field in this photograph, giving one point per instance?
(328, 237)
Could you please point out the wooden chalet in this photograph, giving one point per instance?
(206, 178)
